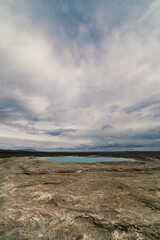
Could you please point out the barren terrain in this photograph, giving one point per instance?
(74, 201)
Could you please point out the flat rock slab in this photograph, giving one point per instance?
(74, 201)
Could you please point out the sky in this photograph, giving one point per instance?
(80, 75)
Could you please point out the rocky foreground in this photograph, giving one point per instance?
(74, 201)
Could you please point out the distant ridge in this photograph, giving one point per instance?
(27, 150)
(31, 152)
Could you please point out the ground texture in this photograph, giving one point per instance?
(73, 201)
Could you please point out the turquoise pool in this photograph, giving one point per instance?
(84, 159)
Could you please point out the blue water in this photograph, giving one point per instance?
(84, 159)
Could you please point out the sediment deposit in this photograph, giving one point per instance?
(73, 201)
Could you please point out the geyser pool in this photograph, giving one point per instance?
(84, 159)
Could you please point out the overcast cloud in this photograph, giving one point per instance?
(80, 75)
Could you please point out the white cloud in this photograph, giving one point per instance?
(76, 87)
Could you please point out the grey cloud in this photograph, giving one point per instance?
(113, 108)
(150, 134)
(142, 105)
(13, 108)
(59, 131)
(106, 126)
(154, 115)
(129, 139)
(121, 146)
(16, 143)
(143, 135)
(94, 96)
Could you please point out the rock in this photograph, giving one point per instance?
(74, 201)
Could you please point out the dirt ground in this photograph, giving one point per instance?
(72, 201)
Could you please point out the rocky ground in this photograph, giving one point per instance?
(73, 201)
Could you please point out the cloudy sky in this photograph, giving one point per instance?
(80, 75)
